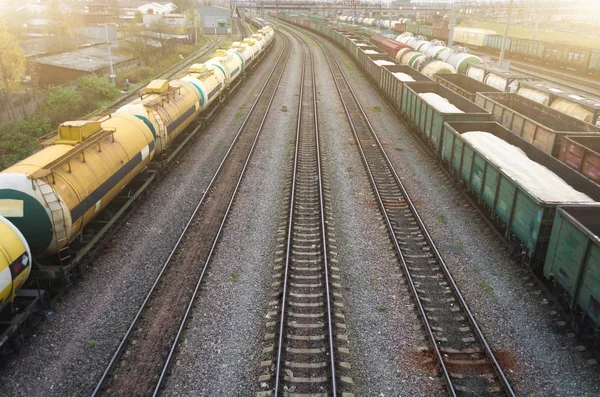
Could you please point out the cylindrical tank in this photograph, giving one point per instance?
(419, 44)
(500, 83)
(244, 51)
(436, 51)
(411, 57)
(229, 63)
(15, 261)
(435, 66)
(53, 194)
(208, 79)
(401, 53)
(167, 108)
(476, 74)
(461, 61)
(572, 109)
(253, 44)
(535, 95)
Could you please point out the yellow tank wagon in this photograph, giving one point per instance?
(229, 63)
(208, 79)
(53, 194)
(15, 261)
(167, 109)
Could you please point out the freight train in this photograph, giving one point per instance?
(49, 200)
(569, 101)
(557, 236)
(568, 57)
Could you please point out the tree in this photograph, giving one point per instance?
(184, 5)
(192, 19)
(137, 44)
(138, 16)
(161, 34)
(12, 66)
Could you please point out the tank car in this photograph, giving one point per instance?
(15, 261)
(54, 193)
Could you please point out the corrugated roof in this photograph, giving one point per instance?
(85, 59)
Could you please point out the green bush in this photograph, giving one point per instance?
(20, 140)
(95, 89)
(62, 104)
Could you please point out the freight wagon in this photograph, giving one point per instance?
(428, 119)
(64, 199)
(530, 225)
(582, 153)
(525, 218)
(463, 85)
(538, 124)
(573, 263)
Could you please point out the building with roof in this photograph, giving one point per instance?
(145, 7)
(215, 20)
(68, 66)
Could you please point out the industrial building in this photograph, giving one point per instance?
(68, 66)
(215, 20)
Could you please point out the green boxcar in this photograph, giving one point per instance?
(413, 28)
(526, 219)
(573, 257)
(429, 120)
(426, 30)
(392, 87)
(463, 85)
(538, 124)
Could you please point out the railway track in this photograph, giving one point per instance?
(302, 360)
(140, 363)
(465, 359)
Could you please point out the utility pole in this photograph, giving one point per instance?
(503, 49)
(112, 71)
(452, 25)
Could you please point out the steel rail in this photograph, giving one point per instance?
(286, 51)
(321, 221)
(456, 291)
(216, 239)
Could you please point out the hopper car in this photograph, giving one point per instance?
(539, 233)
(58, 204)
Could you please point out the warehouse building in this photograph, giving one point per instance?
(215, 20)
(62, 68)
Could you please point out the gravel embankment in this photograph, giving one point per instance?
(383, 329)
(68, 353)
(538, 360)
(221, 352)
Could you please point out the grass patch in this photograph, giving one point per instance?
(441, 218)
(239, 115)
(376, 109)
(460, 246)
(243, 106)
(487, 288)
(91, 344)
(234, 277)
(382, 308)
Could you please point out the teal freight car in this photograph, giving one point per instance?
(573, 259)
(525, 219)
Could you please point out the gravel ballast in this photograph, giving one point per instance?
(383, 330)
(68, 352)
(220, 355)
(514, 316)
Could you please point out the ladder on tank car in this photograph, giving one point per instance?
(59, 224)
